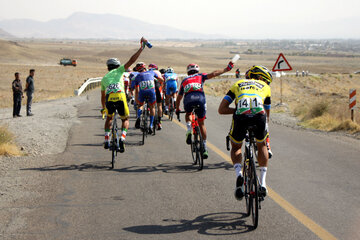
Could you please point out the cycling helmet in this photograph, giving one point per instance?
(169, 70)
(192, 68)
(153, 66)
(256, 71)
(140, 66)
(162, 71)
(113, 61)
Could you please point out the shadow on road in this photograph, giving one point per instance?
(177, 167)
(93, 166)
(215, 224)
(105, 165)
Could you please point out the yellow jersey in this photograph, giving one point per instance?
(251, 96)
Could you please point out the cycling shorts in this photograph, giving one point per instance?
(117, 101)
(241, 122)
(158, 91)
(150, 93)
(193, 99)
(171, 87)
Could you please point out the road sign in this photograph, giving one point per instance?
(281, 64)
(352, 99)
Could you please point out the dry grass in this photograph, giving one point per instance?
(7, 146)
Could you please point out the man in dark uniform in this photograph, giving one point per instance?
(29, 91)
(18, 94)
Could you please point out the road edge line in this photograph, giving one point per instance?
(288, 207)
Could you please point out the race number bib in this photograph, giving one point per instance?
(191, 87)
(144, 85)
(249, 105)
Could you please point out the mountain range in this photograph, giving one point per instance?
(95, 26)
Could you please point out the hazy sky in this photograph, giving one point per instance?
(233, 18)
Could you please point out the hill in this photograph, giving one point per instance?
(5, 35)
(95, 26)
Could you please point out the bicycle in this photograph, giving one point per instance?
(172, 109)
(197, 142)
(144, 121)
(253, 198)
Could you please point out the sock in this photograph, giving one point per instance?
(151, 121)
(263, 171)
(205, 144)
(107, 135)
(238, 167)
(159, 119)
(188, 125)
(123, 134)
(139, 112)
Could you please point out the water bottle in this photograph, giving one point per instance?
(148, 44)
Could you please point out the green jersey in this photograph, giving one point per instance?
(113, 81)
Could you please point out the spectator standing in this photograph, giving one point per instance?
(17, 95)
(29, 91)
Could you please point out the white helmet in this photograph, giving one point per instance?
(113, 61)
(170, 70)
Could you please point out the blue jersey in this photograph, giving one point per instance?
(132, 77)
(146, 80)
(170, 76)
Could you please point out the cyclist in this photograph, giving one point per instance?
(191, 88)
(252, 100)
(267, 122)
(126, 83)
(113, 95)
(171, 87)
(145, 87)
(132, 77)
(158, 91)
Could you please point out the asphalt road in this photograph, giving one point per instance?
(155, 193)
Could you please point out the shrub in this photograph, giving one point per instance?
(7, 147)
(318, 109)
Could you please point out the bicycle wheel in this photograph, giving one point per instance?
(201, 150)
(246, 174)
(254, 194)
(144, 124)
(193, 148)
(113, 142)
(171, 110)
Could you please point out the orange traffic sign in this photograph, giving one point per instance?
(281, 64)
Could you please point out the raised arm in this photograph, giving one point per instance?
(221, 71)
(136, 55)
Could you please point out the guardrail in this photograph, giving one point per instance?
(89, 84)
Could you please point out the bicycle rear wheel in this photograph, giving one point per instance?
(254, 195)
(199, 149)
(113, 142)
(144, 124)
(171, 110)
(246, 174)
(193, 149)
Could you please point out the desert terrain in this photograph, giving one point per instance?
(333, 65)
